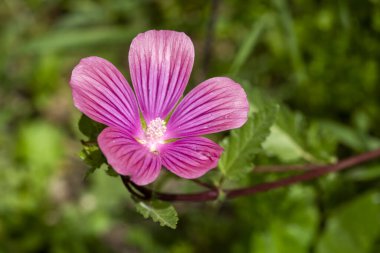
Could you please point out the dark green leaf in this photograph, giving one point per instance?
(90, 128)
(93, 157)
(111, 172)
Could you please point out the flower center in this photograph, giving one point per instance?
(154, 134)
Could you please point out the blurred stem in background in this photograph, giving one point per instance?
(209, 38)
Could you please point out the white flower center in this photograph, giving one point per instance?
(154, 134)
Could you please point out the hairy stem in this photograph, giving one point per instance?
(213, 194)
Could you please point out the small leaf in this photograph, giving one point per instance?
(161, 212)
(243, 143)
(92, 156)
(292, 139)
(285, 140)
(111, 172)
(90, 128)
(282, 145)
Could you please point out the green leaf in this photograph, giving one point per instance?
(367, 172)
(90, 128)
(292, 139)
(91, 154)
(161, 212)
(292, 223)
(111, 172)
(243, 143)
(350, 137)
(285, 141)
(93, 157)
(353, 228)
(321, 142)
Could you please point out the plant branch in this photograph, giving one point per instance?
(233, 193)
(206, 185)
(286, 168)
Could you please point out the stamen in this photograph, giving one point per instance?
(156, 129)
(153, 135)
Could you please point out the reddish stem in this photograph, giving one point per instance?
(233, 193)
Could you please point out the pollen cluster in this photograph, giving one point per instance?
(154, 134)
(156, 129)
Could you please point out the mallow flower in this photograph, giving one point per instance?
(148, 127)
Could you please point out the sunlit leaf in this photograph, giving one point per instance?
(293, 139)
(160, 212)
(92, 156)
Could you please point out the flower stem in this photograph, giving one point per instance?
(212, 194)
(286, 168)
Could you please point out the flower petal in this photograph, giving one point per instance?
(190, 157)
(101, 92)
(217, 104)
(128, 157)
(160, 63)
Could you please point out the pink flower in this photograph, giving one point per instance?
(160, 65)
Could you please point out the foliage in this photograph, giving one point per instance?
(161, 212)
(317, 59)
(292, 139)
(91, 153)
(243, 143)
(353, 227)
(89, 128)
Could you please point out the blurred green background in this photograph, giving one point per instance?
(320, 58)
